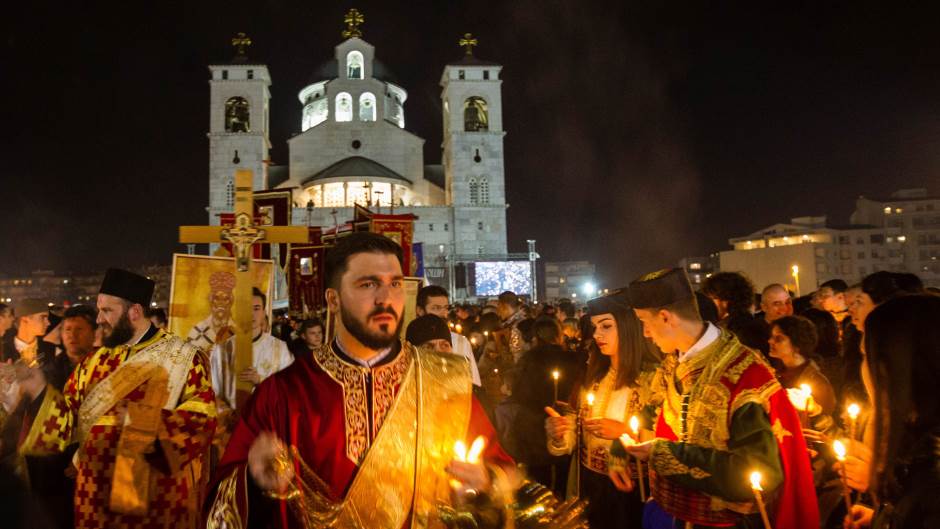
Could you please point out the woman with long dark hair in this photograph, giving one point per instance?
(902, 344)
(617, 385)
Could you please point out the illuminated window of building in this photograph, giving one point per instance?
(334, 195)
(475, 115)
(344, 104)
(237, 116)
(887, 211)
(315, 112)
(474, 191)
(902, 238)
(354, 65)
(367, 107)
(695, 266)
(899, 211)
(484, 190)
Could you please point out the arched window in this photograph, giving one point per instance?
(354, 65)
(475, 116)
(237, 117)
(230, 195)
(474, 191)
(484, 190)
(344, 105)
(367, 107)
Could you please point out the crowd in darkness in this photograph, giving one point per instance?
(859, 362)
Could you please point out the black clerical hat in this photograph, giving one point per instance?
(616, 300)
(660, 288)
(127, 285)
(425, 328)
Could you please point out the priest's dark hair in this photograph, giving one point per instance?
(430, 291)
(634, 349)
(256, 292)
(902, 341)
(337, 257)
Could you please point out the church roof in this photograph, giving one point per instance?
(356, 166)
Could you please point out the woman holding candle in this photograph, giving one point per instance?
(902, 342)
(616, 385)
(793, 341)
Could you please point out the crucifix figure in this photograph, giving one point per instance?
(242, 236)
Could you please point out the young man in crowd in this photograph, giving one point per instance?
(435, 300)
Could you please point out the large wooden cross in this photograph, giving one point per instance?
(242, 236)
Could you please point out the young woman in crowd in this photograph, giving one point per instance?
(617, 385)
(902, 343)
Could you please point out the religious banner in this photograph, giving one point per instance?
(274, 207)
(202, 296)
(417, 256)
(305, 281)
(401, 229)
(412, 285)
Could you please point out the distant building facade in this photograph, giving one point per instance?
(76, 289)
(700, 268)
(900, 233)
(569, 280)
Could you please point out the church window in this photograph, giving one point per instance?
(430, 227)
(461, 75)
(484, 191)
(224, 74)
(237, 115)
(474, 191)
(486, 75)
(344, 106)
(476, 156)
(354, 65)
(230, 194)
(480, 226)
(251, 74)
(446, 227)
(475, 116)
(367, 107)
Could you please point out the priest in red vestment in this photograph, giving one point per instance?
(361, 432)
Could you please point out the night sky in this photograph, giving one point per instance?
(637, 133)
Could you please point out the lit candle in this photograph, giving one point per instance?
(807, 397)
(458, 328)
(473, 340)
(635, 428)
(853, 410)
(755, 486)
(555, 375)
(472, 456)
(839, 448)
(486, 333)
(590, 403)
(450, 324)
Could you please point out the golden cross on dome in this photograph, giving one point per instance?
(468, 42)
(241, 42)
(353, 20)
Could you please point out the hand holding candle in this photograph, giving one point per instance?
(756, 487)
(466, 467)
(590, 403)
(839, 448)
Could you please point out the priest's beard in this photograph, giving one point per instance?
(121, 333)
(368, 338)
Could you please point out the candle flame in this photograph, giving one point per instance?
(476, 449)
(755, 481)
(626, 440)
(839, 448)
(854, 409)
(555, 374)
(807, 391)
(635, 425)
(590, 399)
(473, 340)
(459, 328)
(486, 333)
(460, 451)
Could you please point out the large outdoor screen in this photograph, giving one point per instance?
(494, 278)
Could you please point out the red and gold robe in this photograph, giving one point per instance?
(183, 435)
(333, 410)
(725, 415)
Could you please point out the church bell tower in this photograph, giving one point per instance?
(474, 168)
(239, 137)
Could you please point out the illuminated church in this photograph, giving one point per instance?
(353, 147)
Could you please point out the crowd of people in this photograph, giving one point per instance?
(654, 403)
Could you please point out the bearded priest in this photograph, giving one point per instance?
(361, 433)
(142, 412)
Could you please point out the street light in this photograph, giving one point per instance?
(588, 289)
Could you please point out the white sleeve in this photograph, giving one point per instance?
(284, 356)
(462, 347)
(215, 369)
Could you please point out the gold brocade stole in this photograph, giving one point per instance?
(403, 472)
